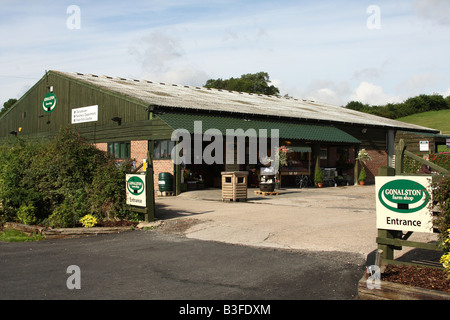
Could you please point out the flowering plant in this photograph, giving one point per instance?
(363, 156)
(282, 158)
(445, 258)
(88, 221)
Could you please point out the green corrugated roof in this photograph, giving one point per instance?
(286, 130)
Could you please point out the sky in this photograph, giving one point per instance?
(376, 52)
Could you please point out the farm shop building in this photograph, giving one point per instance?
(129, 117)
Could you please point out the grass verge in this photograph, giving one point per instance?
(11, 235)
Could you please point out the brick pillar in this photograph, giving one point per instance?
(162, 166)
(379, 159)
(139, 151)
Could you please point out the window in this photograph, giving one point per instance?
(120, 150)
(162, 149)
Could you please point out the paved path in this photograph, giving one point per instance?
(328, 219)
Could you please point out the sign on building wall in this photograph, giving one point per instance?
(136, 190)
(402, 203)
(424, 146)
(85, 114)
(49, 102)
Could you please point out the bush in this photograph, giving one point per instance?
(441, 197)
(26, 214)
(362, 174)
(60, 181)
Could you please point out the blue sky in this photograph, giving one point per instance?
(329, 51)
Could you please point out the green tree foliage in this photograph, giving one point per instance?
(251, 83)
(58, 182)
(418, 104)
(7, 105)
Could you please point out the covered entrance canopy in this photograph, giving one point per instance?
(298, 137)
(295, 131)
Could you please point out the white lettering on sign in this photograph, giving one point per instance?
(85, 114)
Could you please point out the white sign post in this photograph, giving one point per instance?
(402, 203)
(85, 114)
(136, 193)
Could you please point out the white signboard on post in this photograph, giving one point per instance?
(402, 203)
(85, 114)
(135, 186)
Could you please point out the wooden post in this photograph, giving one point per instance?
(387, 250)
(399, 154)
(150, 190)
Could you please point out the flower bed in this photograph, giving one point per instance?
(402, 282)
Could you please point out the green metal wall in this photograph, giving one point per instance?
(28, 114)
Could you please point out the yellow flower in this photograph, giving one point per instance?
(88, 221)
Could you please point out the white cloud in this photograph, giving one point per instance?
(447, 93)
(372, 94)
(436, 11)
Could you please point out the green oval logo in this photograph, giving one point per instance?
(49, 102)
(403, 196)
(135, 185)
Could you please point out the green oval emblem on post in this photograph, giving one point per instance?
(49, 102)
(403, 196)
(135, 185)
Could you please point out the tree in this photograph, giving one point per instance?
(7, 105)
(251, 83)
(418, 104)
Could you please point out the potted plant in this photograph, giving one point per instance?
(363, 157)
(362, 176)
(318, 175)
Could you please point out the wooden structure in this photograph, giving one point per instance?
(135, 116)
(390, 240)
(234, 185)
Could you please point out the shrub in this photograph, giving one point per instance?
(26, 214)
(60, 181)
(318, 174)
(441, 198)
(362, 174)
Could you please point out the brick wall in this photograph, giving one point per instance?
(101, 146)
(138, 151)
(161, 166)
(379, 159)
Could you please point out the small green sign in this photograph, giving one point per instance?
(403, 196)
(49, 102)
(135, 185)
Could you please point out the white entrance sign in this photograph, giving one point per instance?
(85, 114)
(135, 186)
(402, 203)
